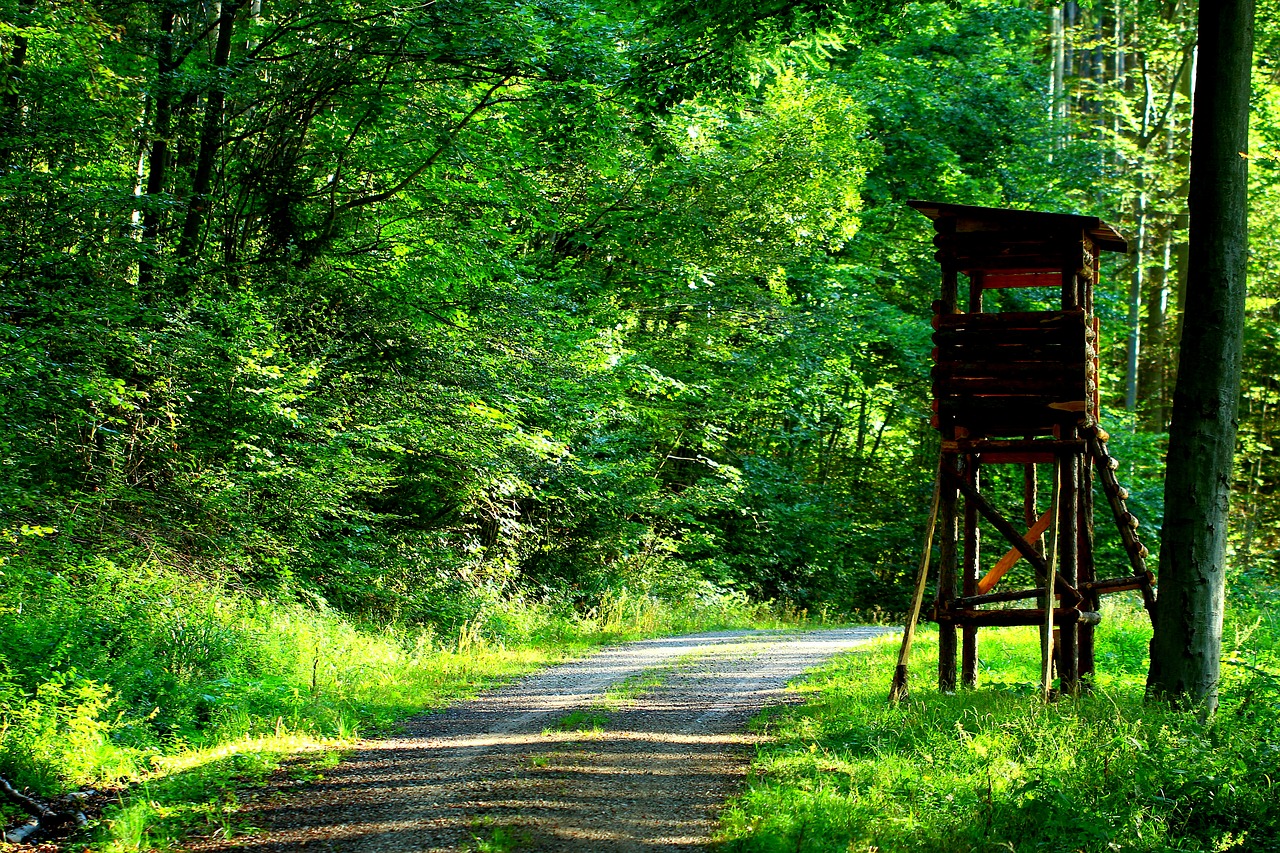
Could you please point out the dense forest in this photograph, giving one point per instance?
(402, 312)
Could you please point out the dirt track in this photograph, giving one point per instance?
(643, 772)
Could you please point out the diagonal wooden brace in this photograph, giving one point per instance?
(1008, 561)
(1070, 595)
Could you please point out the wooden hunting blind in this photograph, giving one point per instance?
(1021, 389)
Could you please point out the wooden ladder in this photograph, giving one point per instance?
(1126, 522)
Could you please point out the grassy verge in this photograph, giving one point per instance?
(174, 692)
(995, 769)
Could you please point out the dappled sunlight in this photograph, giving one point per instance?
(649, 769)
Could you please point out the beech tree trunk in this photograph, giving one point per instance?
(158, 158)
(210, 141)
(1187, 647)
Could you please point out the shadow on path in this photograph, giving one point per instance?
(495, 773)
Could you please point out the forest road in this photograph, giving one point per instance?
(657, 744)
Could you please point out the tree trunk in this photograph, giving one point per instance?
(210, 142)
(1133, 345)
(1155, 355)
(1187, 647)
(1140, 255)
(158, 159)
(1057, 72)
(11, 113)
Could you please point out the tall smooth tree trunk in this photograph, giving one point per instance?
(1187, 86)
(1187, 647)
(158, 158)
(1152, 369)
(1133, 345)
(1057, 72)
(1140, 256)
(210, 142)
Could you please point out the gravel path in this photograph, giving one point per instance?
(648, 773)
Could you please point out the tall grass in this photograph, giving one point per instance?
(996, 769)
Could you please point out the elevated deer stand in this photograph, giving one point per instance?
(1020, 389)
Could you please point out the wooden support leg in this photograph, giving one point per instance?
(1030, 511)
(1088, 572)
(1046, 601)
(1057, 649)
(1068, 553)
(969, 578)
(947, 577)
(898, 690)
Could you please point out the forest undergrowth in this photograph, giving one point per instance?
(996, 769)
(172, 692)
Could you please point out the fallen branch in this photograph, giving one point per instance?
(44, 819)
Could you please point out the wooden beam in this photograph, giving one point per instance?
(1018, 457)
(1069, 566)
(1010, 559)
(898, 691)
(1017, 616)
(1046, 601)
(969, 601)
(1110, 585)
(947, 576)
(1088, 571)
(1066, 371)
(1010, 320)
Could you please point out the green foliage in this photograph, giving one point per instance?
(405, 331)
(458, 306)
(59, 733)
(997, 769)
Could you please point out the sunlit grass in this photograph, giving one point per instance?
(996, 769)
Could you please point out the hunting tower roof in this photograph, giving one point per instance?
(994, 220)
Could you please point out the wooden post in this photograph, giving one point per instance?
(969, 577)
(1030, 508)
(1046, 601)
(947, 578)
(947, 499)
(1088, 572)
(898, 691)
(1030, 498)
(975, 292)
(1068, 551)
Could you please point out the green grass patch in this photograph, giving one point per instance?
(995, 769)
(495, 839)
(591, 722)
(633, 687)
